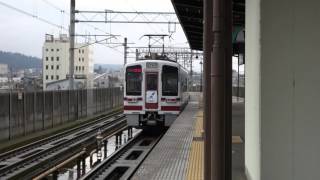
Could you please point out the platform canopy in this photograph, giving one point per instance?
(190, 15)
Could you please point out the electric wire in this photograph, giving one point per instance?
(87, 24)
(32, 15)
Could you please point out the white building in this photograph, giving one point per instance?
(56, 61)
(4, 69)
(101, 81)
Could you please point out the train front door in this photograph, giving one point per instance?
(151, 91)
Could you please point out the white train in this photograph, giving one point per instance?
(155, 92)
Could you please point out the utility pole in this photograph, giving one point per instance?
(71, 50)
(125, 45)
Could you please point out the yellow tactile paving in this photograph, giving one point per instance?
(196, 157)
(195, 165)
(199, 125)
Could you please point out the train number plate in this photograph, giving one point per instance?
(152, 65)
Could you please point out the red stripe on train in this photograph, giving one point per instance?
(151, 105)
(132, 108)
(170, 108)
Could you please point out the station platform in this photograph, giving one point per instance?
(170, 158)
(180, 153)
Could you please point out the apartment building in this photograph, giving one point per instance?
(4, 70)
(56, 61)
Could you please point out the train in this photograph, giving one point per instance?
(155, 92)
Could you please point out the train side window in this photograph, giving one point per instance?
(133, 80)
(169, 81)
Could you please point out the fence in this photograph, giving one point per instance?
(236, 91)
(22, 113)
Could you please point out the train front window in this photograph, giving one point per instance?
(169, 81)
(133, 80)
(152, 82)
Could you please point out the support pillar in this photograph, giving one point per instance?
(238, 82)
(105, 148)
(217, 88)
(207, 44)
(129, 133)
(120, 139)
(78, 169)
(221, 90)
(83, 162)
(125, 138)
(55, 175)
(117, 140)
(91, 161)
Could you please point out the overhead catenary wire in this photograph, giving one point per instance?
(55, 7)
(68, 14)
(32, 15)
(87, 24)
(54, 24)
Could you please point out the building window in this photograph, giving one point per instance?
(52, 67)
(52, 58)
(52, 50)
(47, 77)
(58, 58)
(47, 49)
(47, 67)
(76, 68)
(82, 68)
(79, 51)
(82, 59)
(82, 51)
(57, 77)
(52, 77)
(57, 67)
(57, 50)
(47, 58)
(79, 59)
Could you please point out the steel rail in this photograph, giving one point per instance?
(46, 158)
(55, 168)
(28, 147)
(74, 157)
(99, 172)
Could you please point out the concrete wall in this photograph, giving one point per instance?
(252, 94)
(27, 112)
(285, 121)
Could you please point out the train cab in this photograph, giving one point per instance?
(155, 92)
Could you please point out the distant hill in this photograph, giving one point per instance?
(109, 66)
(18, 61)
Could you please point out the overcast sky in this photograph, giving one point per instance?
(24, 34)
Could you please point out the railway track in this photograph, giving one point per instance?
(30, 160)
(28, 147)
(123, 163)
